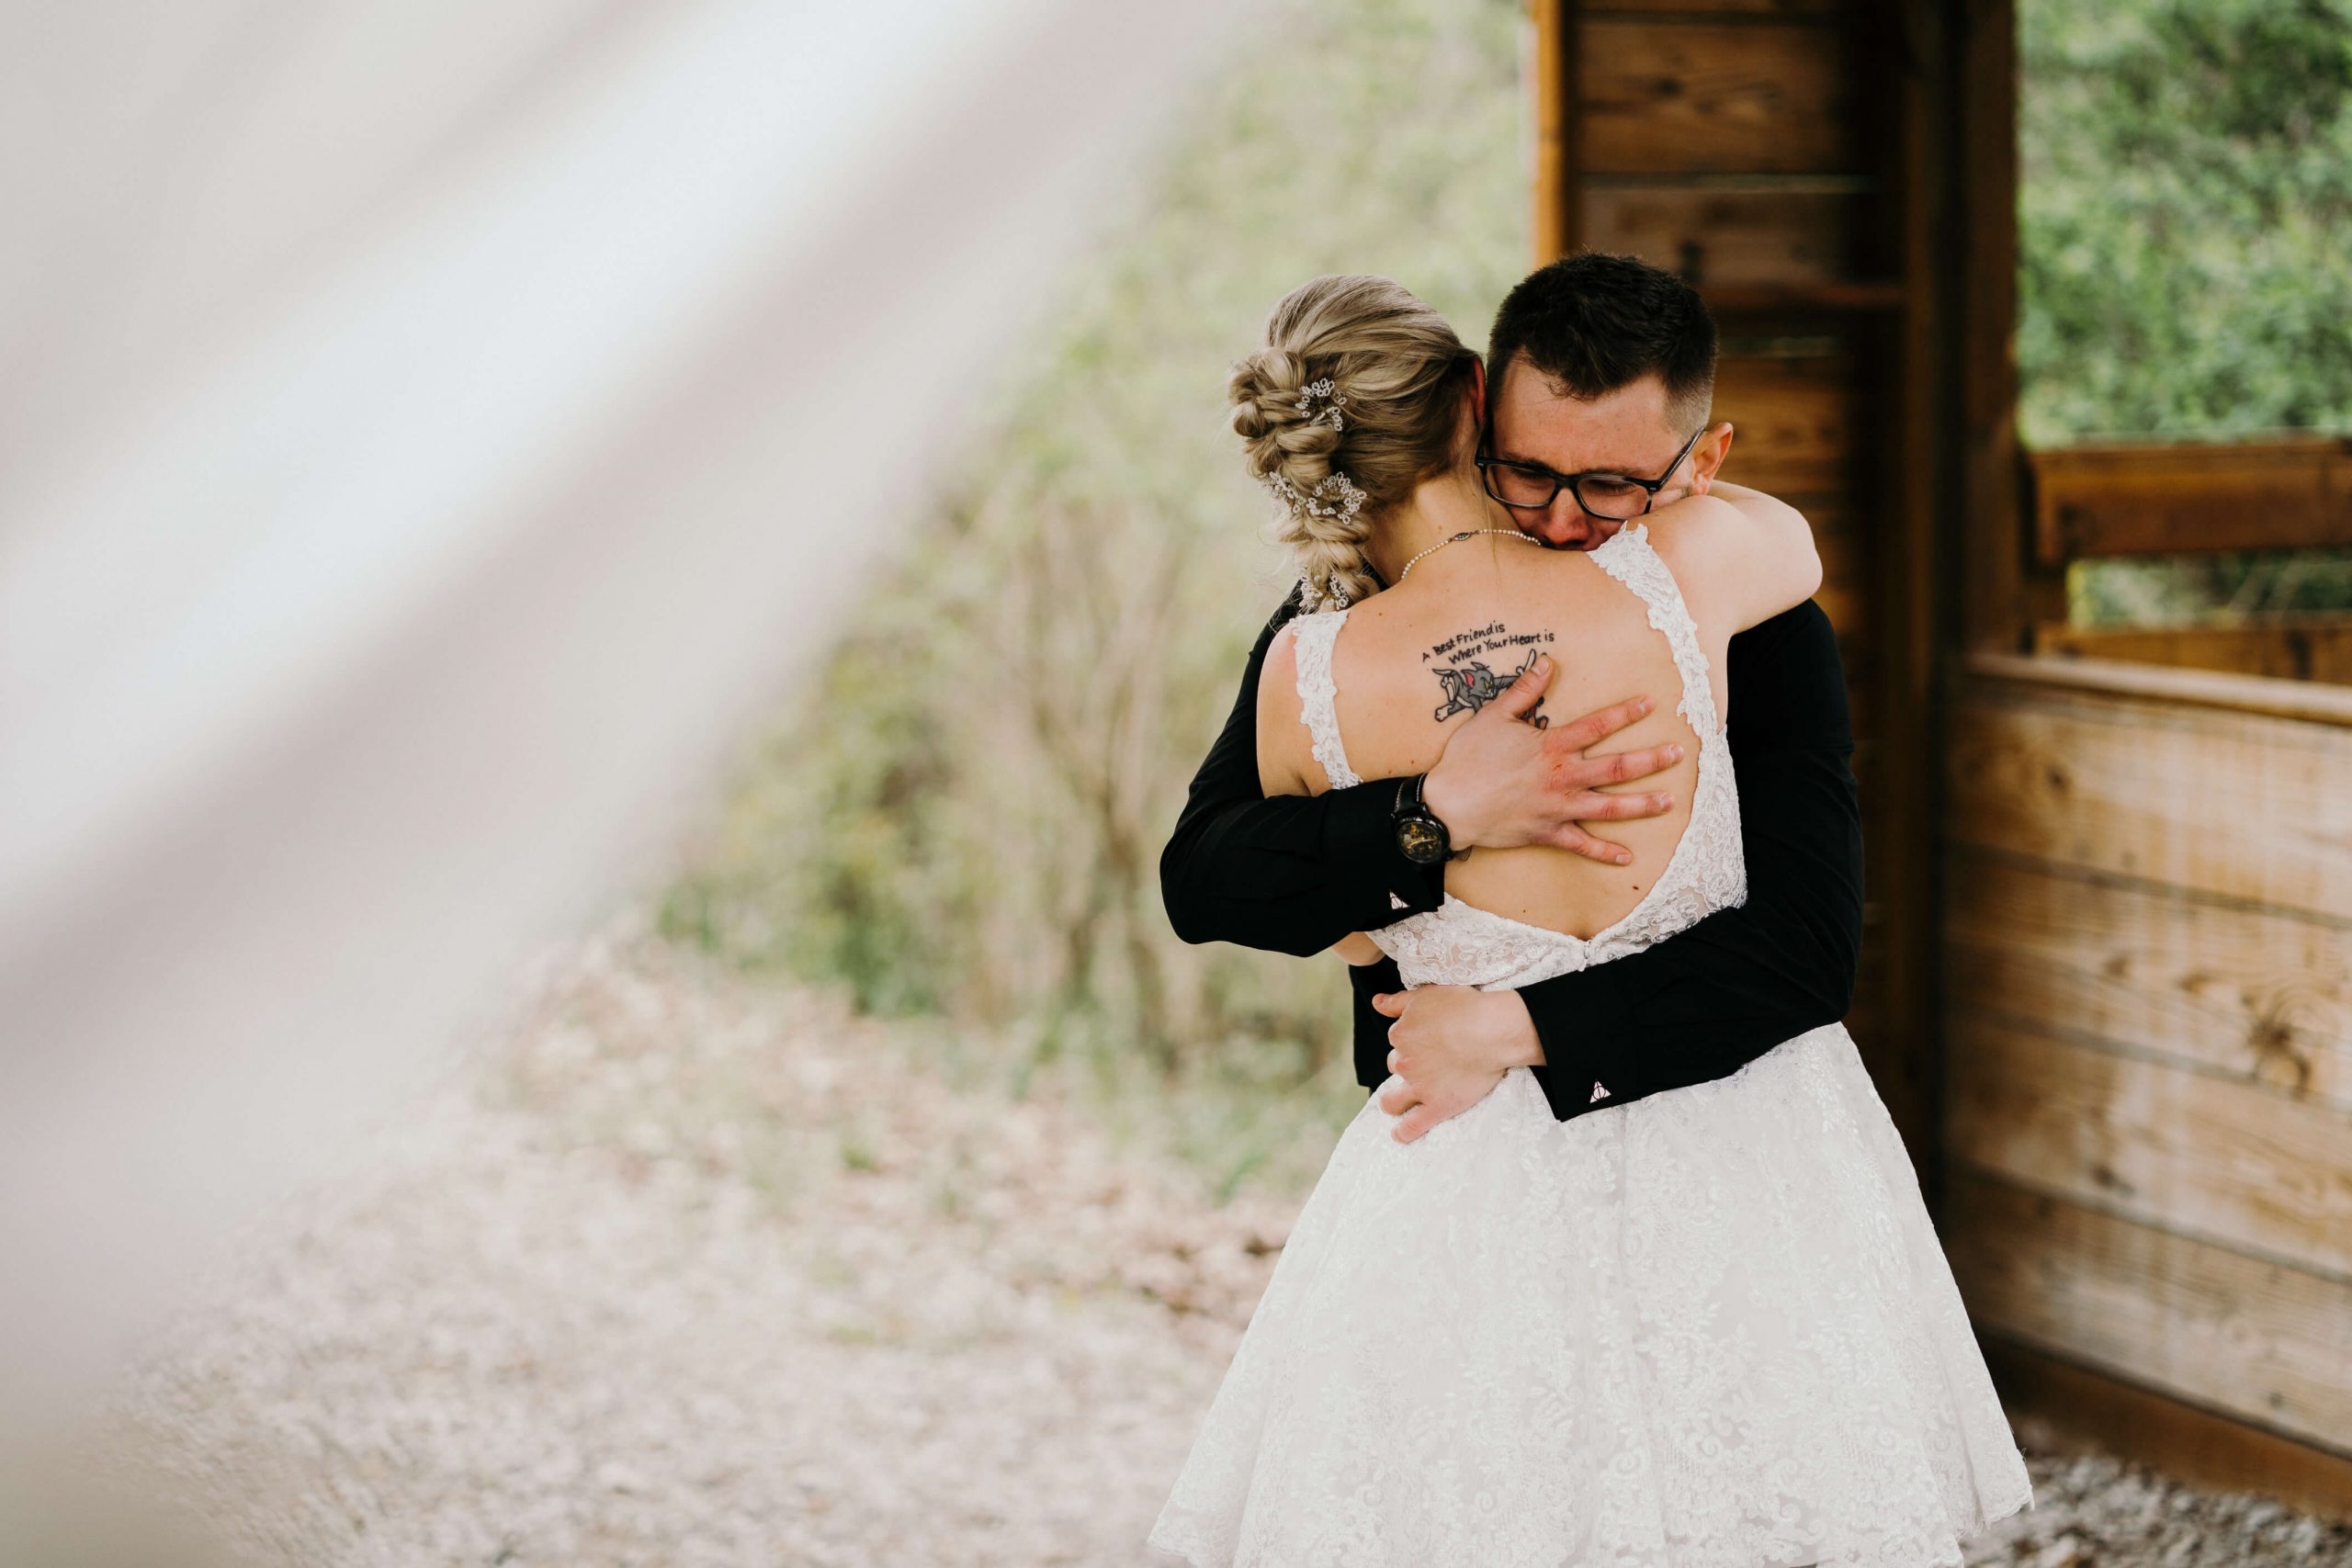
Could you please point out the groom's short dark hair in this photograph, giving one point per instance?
(1592, 323)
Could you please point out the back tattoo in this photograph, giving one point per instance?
(1468, 683)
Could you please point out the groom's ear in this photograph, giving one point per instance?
(1708, 456)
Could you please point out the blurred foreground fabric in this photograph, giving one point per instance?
(426, 432)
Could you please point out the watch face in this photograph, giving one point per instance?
(1422, 840)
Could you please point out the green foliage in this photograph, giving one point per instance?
(2185, 217)
(2183, 220)
(966, 811)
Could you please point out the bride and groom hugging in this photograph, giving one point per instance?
(1622, 1261)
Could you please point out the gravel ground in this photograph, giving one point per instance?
(690, 1273)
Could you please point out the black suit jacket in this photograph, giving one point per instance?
(1296, 874)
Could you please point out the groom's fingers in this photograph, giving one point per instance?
(1398, 1096)
(1589, 773)
(1416, 1122)
(1520, 697)
(1603, 808)
(1567, 739)
(1576, 840)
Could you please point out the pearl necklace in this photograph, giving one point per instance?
(1465, 533)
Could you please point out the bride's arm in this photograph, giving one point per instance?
(1286, 764)
(1750, 555)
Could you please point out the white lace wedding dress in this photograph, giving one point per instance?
(1712, 1328)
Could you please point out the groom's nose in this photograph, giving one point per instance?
(1564, 525)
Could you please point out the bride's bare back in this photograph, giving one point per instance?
(1415, 660)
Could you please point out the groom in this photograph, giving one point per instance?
(1601, 364)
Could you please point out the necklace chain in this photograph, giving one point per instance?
(1465, 533)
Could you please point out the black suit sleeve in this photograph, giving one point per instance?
(1293, 873)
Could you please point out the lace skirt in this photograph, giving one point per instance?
(1710, 1329)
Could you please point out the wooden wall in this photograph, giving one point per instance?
(1767, 150)
(2148, 1047)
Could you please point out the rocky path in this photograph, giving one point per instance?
(692, 1274)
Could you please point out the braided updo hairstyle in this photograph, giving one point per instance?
(1358, 380)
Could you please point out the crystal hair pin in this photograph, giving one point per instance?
(1320, 403)
(1335, 497)
(1331, 596)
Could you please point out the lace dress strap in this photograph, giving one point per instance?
(1312, 637)
(1630, 558)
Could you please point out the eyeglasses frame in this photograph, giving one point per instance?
(1488, 462)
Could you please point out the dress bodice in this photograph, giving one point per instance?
(1461, 945)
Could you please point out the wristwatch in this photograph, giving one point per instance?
(1420, 837)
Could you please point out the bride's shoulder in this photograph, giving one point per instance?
(1278, 672)
(1279, 734)
(1745, 560)
(1697, 533)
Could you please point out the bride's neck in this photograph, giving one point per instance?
(1436, 511)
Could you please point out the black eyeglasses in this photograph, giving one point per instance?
(1613, 497)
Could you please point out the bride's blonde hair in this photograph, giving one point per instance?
(1356, 397)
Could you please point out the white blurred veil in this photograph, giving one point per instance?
(427, 430)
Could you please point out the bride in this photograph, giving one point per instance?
(1713, 1326)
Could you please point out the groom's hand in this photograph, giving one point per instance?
(1449, 1047)
(1503, 783)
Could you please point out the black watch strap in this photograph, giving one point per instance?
(1420, 837)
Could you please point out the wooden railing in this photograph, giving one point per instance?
(2144, 917)
(2130, 499)
(2123, 499)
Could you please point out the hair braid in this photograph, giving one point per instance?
(1354, 400)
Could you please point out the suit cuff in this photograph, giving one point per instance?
(1587, 1064)
(1361, 835)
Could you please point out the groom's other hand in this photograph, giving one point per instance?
(1503, 783)
(1448, 1049)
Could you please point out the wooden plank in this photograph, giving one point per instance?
(2191, 1153)
(1715, 239)
(2240, 806)
(2254, 994)
(1557, 226)
(1746, 302)
(2259, 1340)
(2310, 701)
(2145, 498)
(1793, 421)
(1723, 7)
(1685, 97)
(2057, 1406)
(2299, 647)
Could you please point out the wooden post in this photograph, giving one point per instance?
(1917, 517)
(1990, 536)
(1551, 60)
